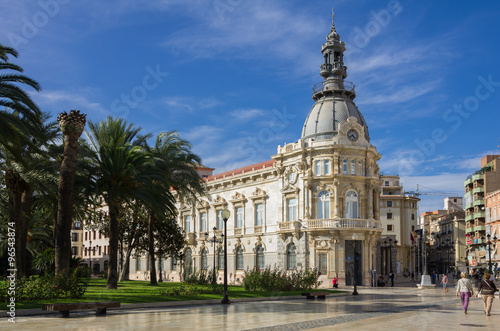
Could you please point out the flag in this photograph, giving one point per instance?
(411, 236)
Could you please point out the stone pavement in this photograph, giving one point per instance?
(403, 308)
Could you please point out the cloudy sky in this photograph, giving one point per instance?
(235, 77)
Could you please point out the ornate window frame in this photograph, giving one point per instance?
(259, 196)
(238, 200)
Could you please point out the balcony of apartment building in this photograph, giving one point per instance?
(342, 223)
(473, 238)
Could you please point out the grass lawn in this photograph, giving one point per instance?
(135, 291)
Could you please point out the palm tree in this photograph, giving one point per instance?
(72, 125)
(22, 179)
(173, 156)
(125, 173)
(20, 117)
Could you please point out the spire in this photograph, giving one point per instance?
(333, 21)
(333, 69)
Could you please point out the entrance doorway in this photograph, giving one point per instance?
(353, 262)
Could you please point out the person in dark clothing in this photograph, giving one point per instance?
(487, 289)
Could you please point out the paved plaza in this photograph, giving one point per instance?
(400, 308)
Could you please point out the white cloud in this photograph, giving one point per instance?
(57, 101)
(247, 114)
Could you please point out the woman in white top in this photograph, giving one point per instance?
(464, 287)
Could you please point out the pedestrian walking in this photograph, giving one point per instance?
(487, 289)
(464, 288)
(391, 277)
(444, 281)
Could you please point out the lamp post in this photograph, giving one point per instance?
(225, 216)
(489, 250)
(214, 240)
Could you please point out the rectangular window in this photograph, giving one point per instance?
(100, 235)
(187, 223)
(389, 216)
(86, 233)
(412, 217)
(203, 225)
(239, 217)
(74, 237)
(353, 167)
(318, 168)
(327, 167)
(74, 250)
(78, 224)
(389, 203)
(93, 233)
(138, 263)
(344, 167)
(386, 183)
(259, 217)
(220, 220)
(100, 250)
(413, 205)
(292, 209)
(390, 227)
(360, 168)
(174, 263)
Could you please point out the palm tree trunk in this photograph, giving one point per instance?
(113, 245)
(26, 204)
(124, 274)
(72, 127)
(152, 271)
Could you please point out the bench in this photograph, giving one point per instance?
(319, 295)
(65, 308)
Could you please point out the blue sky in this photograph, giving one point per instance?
(235, 77)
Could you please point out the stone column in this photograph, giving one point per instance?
(336, 214)
(370, 201)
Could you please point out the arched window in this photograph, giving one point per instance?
(291, 258)
(239, 258)
(351, 204)
(188, 261)
(260, 257)
(323, 205)
(221, 259)
(204, 264)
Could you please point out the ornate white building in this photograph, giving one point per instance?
(315, 204)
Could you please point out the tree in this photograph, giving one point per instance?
(173, 157)
(20, 117)
(125, 173)
(22, 179)
(72, 125)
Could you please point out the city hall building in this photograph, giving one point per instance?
(314, 204)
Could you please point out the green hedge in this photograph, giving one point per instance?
(280, 280)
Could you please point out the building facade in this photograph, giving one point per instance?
(477, 187)
(314, 204)
(399, 218)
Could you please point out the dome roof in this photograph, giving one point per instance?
(326, 116)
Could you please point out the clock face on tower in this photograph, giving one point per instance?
(352, 135)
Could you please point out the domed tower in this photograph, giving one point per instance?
(329, 180)
(334, 96)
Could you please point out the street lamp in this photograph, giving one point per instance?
(214, 240)
(489, 250)
(90, 253)
(225, 216)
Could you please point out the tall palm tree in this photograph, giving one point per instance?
(22, 179)
(72, 125)
(125, 173)
(20, 117)
(173, 156)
